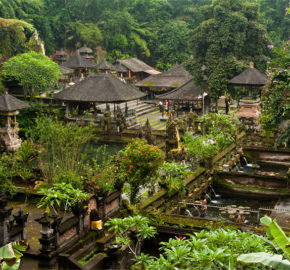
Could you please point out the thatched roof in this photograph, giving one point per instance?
(105, 65)
(102, 88)
(119, 67)
(61, 53)
(189, 91)
(9, 103)
(65, 70)
(78, 61)
(85, 49)
(134, 64)
(250, 77)
(172, 78)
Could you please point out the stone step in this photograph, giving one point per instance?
(148, 110)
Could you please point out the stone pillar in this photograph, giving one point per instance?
(80, 212)
(5, 213)
(46, 232)
(20, 220)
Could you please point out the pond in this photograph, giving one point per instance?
(225, 208)
(97, 150)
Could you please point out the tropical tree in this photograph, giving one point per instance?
(275, 100)
(13, 35)
(170, 44)
(34, 71)
(84, 33)
(225, 42)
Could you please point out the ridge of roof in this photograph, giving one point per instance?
(102, 88)
(10, 103)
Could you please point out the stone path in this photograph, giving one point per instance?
(154, 120)
(32, 228)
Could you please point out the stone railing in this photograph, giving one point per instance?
(12, 228)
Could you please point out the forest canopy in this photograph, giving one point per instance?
(156, 31)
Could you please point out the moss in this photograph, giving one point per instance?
(148, 83)
(88, 257)
(195, 222)
(251, 188)
(175, 85)
(155, 197)
(194, 175)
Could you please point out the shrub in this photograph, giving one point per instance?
(139, 165)
(217, 249)
(172, 175)
(200, 148)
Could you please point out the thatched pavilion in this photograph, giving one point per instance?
(134, 68)
(86, 52)
(188, 97)
(66, 75)
(98, 89)
(61, 56)
(251, 77)
(104, 66)
(166, 81)
(9, 107)
(249, 112)
(79, 64)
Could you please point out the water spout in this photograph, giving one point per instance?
(188, 213)
(244, 161)
(214, 194)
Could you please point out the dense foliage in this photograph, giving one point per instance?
(60, 196)
(172, 176)
(217, 249)
(61, 150)
(221, 132)
(138, 225)
(225, 42)
(13, 35)
(139, 165)
(34, 71)
(275, 98)
(154, 30)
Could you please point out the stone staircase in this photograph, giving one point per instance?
(139, 107)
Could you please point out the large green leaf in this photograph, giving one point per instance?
(277, 234)
(10, 255)
(274, 260)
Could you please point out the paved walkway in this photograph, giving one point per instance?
(154, 120)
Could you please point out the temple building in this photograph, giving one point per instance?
(9, 108)
(133, 68)
(164, 82)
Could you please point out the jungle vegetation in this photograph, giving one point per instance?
(156, 31)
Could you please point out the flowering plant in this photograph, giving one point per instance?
(139, 165)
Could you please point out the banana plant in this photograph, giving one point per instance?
(276, 235)
(10, 255)
(273, 260)
(279, 240)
